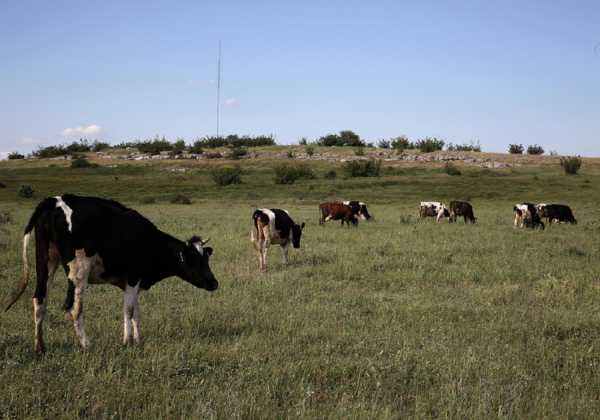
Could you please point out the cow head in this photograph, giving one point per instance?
(363, 212)
(296, 234)
(193, 259)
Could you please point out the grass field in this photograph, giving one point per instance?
(392, 319)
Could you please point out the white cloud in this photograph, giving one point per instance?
(3, 155)
(82, 131)
(232, 102)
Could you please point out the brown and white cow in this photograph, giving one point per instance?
(274, 226)
(433, 209)
(334, 210)
(526, 215)
(100, 241)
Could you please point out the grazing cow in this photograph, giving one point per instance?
(526, 215)
(556, 213)
(461, 208)
(100, 241)
(337, 211)
(274, 226)
(433, 209)
(359, 208)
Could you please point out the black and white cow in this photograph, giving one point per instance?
(556, 213)
(433, 209)
(526, 215)
(100, 241)
(274, 226)
(359, 209)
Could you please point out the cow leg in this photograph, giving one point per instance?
(264, 251)
(266, 243)
(79, 270)
(39, 297)
(131, 314)
(284, 249)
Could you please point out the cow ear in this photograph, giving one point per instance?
(302, 226)
(208, 250)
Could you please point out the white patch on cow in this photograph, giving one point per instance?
(198, 246)
(66, 210)
(25, 259)
(360, 203)
(431, 204)
(346, 203)
(39, 310)
(522, 207)
(131, 313)
(271, 215)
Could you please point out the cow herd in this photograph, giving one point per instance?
(99, 241)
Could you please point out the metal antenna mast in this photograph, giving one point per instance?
(218, 86)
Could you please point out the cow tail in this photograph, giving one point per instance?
(254, 231)
(45, 205)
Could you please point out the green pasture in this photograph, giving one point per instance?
(393, 319)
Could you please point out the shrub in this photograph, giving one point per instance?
(362, 168)
(359, 151)
(303, 141)
(50, 152)
(82, 146)
(25, 191)
(290, 154)
(178, 147)
(181, 199)
(15, 156)
(233, 140)
(344, 138)
(535, 149)
(227, 175)
(82, 162)
(401, 143)
(429, 144)
(288, 174)
(310, 150)
(571, 164)
(197, 147)
(471, 147)
(330, 174)
(515, 149)
(384, 144)
(451, 169)
(237, 153)
(98, 146)
(154, 146)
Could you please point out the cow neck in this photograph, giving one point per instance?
(169, 265)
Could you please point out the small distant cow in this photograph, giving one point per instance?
(359, 208)
(100, 241)
(433, 209)
(461, 209)
(274, 226)
(556, 213)
(526, 215)
(337, 211)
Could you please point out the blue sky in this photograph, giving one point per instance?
(497, 72)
